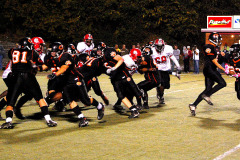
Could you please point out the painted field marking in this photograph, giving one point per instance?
(227, 153)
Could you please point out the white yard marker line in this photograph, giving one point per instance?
(227, 153)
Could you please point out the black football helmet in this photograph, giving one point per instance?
(215, 38)
(234, 51)
(71, 49)
(147, 51)
(26, 43)
(56, 47)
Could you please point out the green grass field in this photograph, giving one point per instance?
(162, 132)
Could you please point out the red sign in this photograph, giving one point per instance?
(219, 22)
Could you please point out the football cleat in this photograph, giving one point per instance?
(18, 113)
(105, 99)
(139, 107)
(134, 114)
(59, 106)
(145, 106)
(207, 99)
(118, 107)
(100, 112)
(192, 109)
(83, 122)
(51, 123)
(161, 100)
(7, 125)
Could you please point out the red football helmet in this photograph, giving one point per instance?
(88, 39)
(134, 53)
(38, 43)
(159, 44)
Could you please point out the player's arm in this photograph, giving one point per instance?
(119, 60)
(215, 61)
(62, 70)
(173, 58)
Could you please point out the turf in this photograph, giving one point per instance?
(162, 132)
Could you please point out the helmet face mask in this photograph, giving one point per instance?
(235, 51)
(88, 39)
(38, 44)
(71, 49)
(147, 51)
(56, 49)
(159, 45)
(26, 43)
(215, 38)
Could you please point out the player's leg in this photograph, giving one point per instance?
(208, 86)
(20, 103)
(34, 89)
(85, 99)
(119, 89)
(98, 91)
(237, 88)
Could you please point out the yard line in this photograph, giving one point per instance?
(227, 153)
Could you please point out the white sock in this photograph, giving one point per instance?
(9, 119)
(47, 117)
(80, 115)
(99, 106)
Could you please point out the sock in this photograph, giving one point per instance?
(133, 108)
(80, 115)
(44, 110)
(9, 113)
(95, 103)
(77, 110)
(9, 119)
(99, 106)
(47, 117)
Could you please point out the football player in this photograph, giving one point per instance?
(73, 86)
(162, 54)
(120, 78)
(147, 65)
(38, 45)
(233, 66)
(129, 60)
(211, 56)
(23, 60)
(87, 45)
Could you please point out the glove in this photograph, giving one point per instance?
(110, 70)
(51, 76)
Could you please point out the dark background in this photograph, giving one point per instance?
(112, 21)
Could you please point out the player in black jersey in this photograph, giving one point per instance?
(211, 55)
(120, 78)
(73, 86)
(25, 81)
(92, 69)
(147, 66)
(233, 66)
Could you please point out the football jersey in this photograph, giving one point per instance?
(92, 68)
(152, 76)
(129, 62)
(210, 53)
(7, 70)
(22, 59)
(122, 71)
(82, 47)
(163, 59)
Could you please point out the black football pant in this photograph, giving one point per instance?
(237, 87)
(211, 76)
(23, 83)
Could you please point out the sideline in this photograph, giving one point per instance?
(227, 153)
